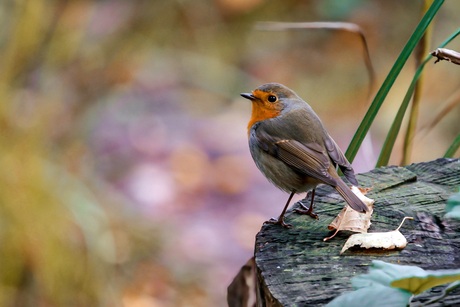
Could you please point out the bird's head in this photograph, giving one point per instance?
(269, 100)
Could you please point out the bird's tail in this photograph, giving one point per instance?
(350, 197)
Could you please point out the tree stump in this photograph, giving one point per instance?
(295, 267)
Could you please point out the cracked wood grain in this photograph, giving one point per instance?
(295, 267)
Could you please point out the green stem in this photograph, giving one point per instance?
(396, 126)
(453, 148)
(389, 81)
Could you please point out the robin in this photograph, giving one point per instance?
(291, 147)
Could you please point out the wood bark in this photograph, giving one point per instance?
(295, 267)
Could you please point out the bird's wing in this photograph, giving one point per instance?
(339, 158)
(310, 159)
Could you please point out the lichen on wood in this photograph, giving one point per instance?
(295, 267)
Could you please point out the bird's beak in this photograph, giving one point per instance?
(248, 96)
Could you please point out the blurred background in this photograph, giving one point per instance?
(126, 177)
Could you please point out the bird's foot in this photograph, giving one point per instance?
(307, 211)
(279, 221)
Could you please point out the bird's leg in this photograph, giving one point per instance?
(308, 211)
(280, 219)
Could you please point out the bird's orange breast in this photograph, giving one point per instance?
(261, 112)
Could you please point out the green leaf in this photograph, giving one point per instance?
(426, 280)
(454, 213)
(453, 206)
(390, 79)
(373, 288)
(410, 278)
(389, 284)
(384, 273)
(375, 296)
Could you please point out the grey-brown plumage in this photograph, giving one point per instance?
(291, 147)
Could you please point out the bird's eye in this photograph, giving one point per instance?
(272, 98)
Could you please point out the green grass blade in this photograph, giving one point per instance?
(390, 140)
(396, 126)
(390, 79)
(421, 50)
(453, 148)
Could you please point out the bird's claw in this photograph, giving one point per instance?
(278, 221)
(307, 211)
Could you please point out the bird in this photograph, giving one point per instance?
(291, 147)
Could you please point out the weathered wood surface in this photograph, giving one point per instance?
(295, 267)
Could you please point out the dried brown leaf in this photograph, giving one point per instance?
(364, 191)
(446, 55)
(351, 220)
(381, 240)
